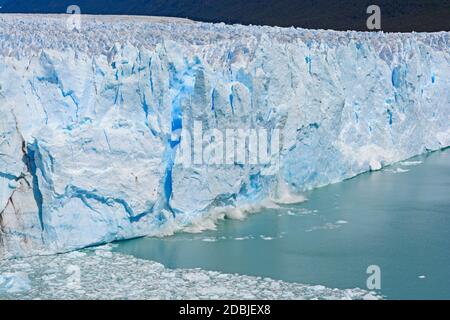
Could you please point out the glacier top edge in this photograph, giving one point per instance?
(21, 34)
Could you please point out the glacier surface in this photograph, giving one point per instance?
(90, 119)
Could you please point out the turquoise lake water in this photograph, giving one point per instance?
(397, 219)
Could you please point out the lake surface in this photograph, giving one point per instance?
(397, 219)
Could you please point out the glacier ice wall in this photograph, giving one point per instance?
(89, 118)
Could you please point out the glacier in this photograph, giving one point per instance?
(91, 120)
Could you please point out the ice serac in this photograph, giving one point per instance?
(91, 120)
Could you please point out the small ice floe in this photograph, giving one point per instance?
(103, 247)
(296, 212)
(410, 163)
(328, 226)
(209, 239)
(397, 170)
(243, 238)
(14, 282)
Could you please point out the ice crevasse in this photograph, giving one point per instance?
(90, 119)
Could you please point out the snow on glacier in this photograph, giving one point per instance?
(90, 119)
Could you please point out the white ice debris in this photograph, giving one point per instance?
(120, 276)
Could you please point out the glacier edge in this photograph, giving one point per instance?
(90, 120)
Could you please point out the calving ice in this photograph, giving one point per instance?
(91, 123)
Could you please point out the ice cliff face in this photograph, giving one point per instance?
(91, 120)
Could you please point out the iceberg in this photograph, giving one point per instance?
(97, 123)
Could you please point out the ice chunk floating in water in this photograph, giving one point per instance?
(91, 121)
